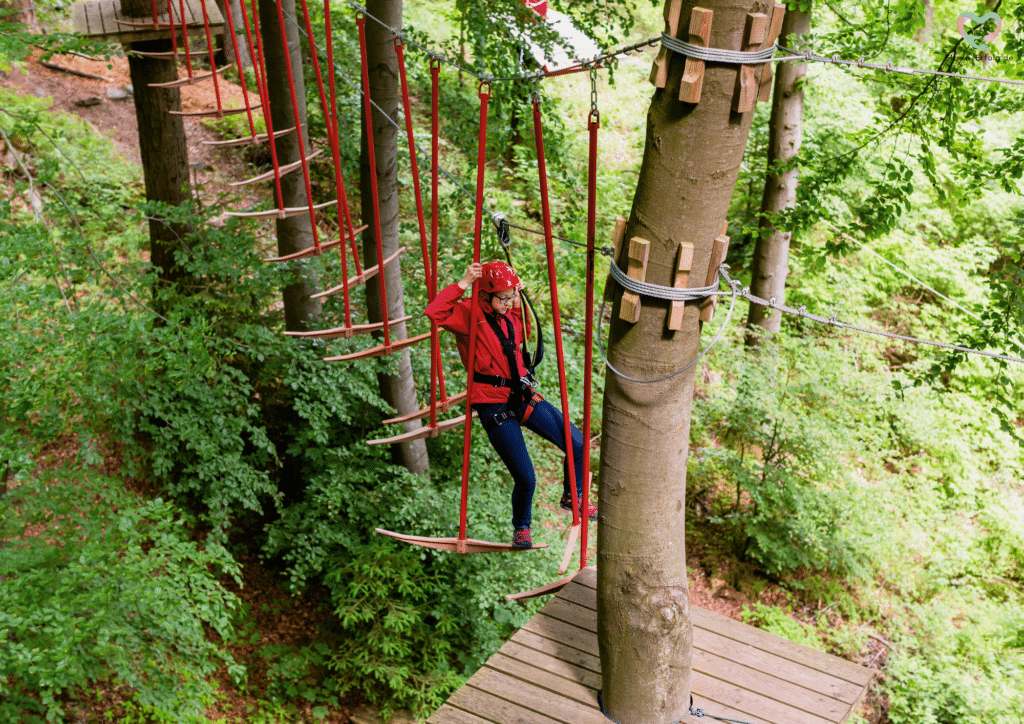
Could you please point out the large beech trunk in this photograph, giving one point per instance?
(162, 146)
(399, 389)
(691, 162)
(296, 232)
(770, 265)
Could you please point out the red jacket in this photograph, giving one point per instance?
(452, 312)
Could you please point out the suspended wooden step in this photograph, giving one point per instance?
(464, 545)
(380, 351)
(442, 406)
(287, 168)
(189, 80)
(368, 272)
(283, 214)
(348, 332)
(144, 25)
(168, 54)
(313, 250)
(423, 432)
(548, 588)
(248, 140)
(215, 113)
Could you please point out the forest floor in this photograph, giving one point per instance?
(276, 617)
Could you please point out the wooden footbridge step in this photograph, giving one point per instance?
(549, 672)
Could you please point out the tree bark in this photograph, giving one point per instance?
(398, 390)
(769, 268)
(162, 147)
(691, 162)
(296, 232)
(235, 9)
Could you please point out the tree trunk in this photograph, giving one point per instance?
(162, 146)
(234, 7)
(398, 390)
(691, 162)
(769, 268)
(296, 232)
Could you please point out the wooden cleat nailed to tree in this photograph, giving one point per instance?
(746, 80)
(693, 72)
(775, 27)
(659, 71)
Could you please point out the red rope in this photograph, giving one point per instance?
(474, 314)
(538, 134)
(174, 33)
(572, 69)
(436, 369)
(400, 52)
(184, 37)
(361, 22)
(331, 121)
(593, 122)
(344, 218)
(155, 21)
(209, 48)
(238, 63)
(298, 124)
(260, 70)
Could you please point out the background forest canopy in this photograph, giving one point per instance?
(160, 442)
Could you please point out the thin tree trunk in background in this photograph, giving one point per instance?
(162, 147)
(923, 35)
(691, 161)
(296, 232)
(769, 267)
(229, 48)
(398, 390)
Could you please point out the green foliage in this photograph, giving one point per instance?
(777, 445)
(99, 584)
(397, 644)
(779, 622)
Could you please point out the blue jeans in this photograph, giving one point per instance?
(507, 439)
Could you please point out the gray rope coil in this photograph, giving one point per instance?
(717, 55)
(734, 287)
(657, 291)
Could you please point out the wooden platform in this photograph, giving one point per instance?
(549, 672)
(98, 19)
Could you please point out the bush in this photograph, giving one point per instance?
(99, 586)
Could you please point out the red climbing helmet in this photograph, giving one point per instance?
(497, 277)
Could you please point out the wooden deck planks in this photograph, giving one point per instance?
(98, 18)
(549, 671)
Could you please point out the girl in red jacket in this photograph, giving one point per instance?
(503, 393)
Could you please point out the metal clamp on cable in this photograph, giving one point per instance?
(501, 226)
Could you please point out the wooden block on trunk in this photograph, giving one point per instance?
(639, 251)
(617, 234)
(764, 91)
(718, 251)
(659, 71)
(693, 73)
(746, 80)
(683, 264)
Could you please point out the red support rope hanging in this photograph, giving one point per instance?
(474, 314)
(361, 23)
(538, 134)
(593, 122)
(436, 368)
(331, 121)
(261, 80)
(298, 126)
(184, 38)
(343, 214)
(209, 49)
(174, 33)
(238, 64)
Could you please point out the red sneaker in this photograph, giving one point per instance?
(521, 539)
(566, 504)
